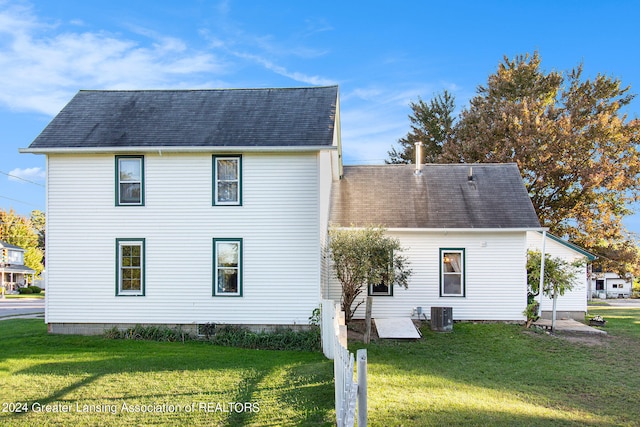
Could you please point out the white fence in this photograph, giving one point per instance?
(334, 346)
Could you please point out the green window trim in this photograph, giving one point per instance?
(129, 176)
(130, 267)
(227, 267)
(452, 272)
(227, 180)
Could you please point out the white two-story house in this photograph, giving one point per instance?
(188, 207)
(13, 273)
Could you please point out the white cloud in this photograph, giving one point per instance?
(374, 118)
(28, 174)
(293, 75)
(46, 66)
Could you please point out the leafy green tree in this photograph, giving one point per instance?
(362, 257)
(38, 220)
(432, 124)
(19, 231)
(575, 148)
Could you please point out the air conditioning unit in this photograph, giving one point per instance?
(442, 319)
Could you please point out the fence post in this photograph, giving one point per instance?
(328, 329)
(362, 387)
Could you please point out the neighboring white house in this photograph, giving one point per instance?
(188, 207)
(609, 285)
(573, 304)
(464, 229)
(13, 273)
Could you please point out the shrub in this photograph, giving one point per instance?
(35, 289)
(280, 339)
(228, 336)
(24, 291)
(149, 333)
(532, 313)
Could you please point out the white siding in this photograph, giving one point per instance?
(326, 178)
(574, 300)
(495, 276)
(278, 222)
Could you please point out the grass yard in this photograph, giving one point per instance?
(56, 373)
(25, 296)
(499, 374)
(481, 374)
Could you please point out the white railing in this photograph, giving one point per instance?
(334, 346)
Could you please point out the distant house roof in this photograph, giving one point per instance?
(6, 245)
(443, 196)
(285, 117)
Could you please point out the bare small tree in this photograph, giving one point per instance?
(362, 257)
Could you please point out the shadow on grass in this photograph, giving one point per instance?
(76, 368)
(487, 374)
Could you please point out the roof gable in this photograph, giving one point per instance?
(572, 246)
(5, 245)
(293, 117)
(442, 196)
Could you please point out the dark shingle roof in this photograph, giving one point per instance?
(392, 196)
(194, 118)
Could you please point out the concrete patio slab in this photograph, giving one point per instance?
(570, 325)
(397, 328)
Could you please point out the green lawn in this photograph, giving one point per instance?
(69, 372)
(481, 374)
(499, 374)
(23, 296)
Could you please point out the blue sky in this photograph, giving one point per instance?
(382, 54)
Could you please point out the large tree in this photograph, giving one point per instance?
(573, 143)
(20, 231)
(432, 124)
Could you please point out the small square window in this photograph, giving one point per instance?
(129, 180)
(227, 260)
(227, 177)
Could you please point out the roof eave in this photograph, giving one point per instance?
(590, 256)
(456, 230)
(178, 149)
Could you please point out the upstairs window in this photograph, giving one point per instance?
(452, 272)
(227, 176)
(129, 180)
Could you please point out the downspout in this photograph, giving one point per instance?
(542, 259)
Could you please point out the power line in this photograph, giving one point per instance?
(22, 179)
(19, 201)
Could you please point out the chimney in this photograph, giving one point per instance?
(418, 151)
(470, 176)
